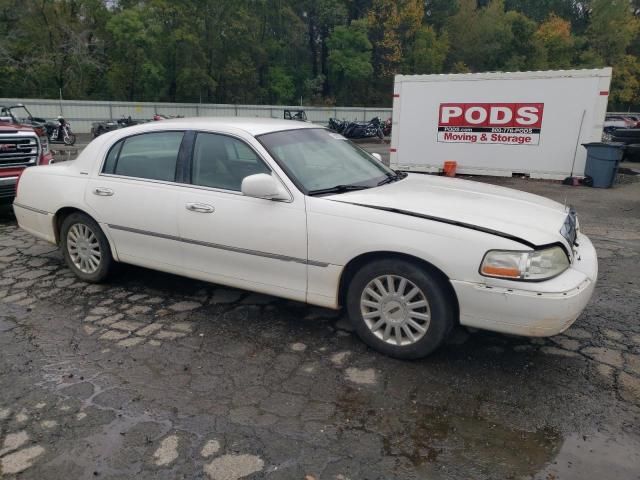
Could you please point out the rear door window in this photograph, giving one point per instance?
(150, 155)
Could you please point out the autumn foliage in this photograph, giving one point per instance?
(343, 52)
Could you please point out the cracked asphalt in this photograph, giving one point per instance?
(161, 377)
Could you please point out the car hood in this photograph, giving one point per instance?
(534, 219)
(6, 127)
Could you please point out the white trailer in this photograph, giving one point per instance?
(499, 124)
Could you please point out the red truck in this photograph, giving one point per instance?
(21, 145)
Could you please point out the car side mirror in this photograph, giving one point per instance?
(377, 156)
(262, 185)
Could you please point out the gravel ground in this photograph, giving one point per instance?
(160, 377)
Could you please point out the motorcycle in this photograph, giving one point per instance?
(52, 127)
(98, 128)
(60, 132)
(337, 125)
(372, 128)
(386, 128)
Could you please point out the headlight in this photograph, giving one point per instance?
(534, 265)
(44, 143)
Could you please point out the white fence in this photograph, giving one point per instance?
(82, 113)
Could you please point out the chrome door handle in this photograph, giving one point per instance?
(103, 192)
(200, 207)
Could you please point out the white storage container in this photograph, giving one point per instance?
(499, 123)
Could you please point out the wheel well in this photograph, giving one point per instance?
(59, 218)
(358, 262)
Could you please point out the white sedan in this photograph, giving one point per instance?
(294, 210)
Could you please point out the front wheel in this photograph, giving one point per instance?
(69, 139)
(400, 309)
(85, 248)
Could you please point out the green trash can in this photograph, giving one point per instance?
(602, 162)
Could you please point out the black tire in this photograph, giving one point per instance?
(69, 139)
(106, 262)
(440, 303)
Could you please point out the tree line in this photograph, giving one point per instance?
(322, 52)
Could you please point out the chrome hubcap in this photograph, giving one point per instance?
(83, 248)
(395, 310)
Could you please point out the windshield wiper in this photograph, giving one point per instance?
(337, 189)
(392, 177)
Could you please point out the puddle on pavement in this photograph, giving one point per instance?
(6, 324)
(439, 443)
(595, 456)
(438, 438)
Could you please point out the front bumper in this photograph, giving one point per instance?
(532, 309)
(7, 189)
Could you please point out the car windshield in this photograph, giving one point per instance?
(319, 161)
(20, 113)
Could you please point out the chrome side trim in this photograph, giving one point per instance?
(228, 248)
(43, 212)
(196, 187)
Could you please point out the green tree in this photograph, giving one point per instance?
(51, 46)
(625, 85)
(539, 10)
(523, 51)
(428, 52)
(281, 86)
(392, 29)
(612, 29)
(349, 58)
(322, 17)
(488, 38)
(554, 34)
(437, 12)
(609, 37)
(134, 73)
(257, 51)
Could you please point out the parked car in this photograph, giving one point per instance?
(299, 115)
(161, 116)
(22, 145)
(295, 210)
(57, 130)
(630, 137)
(612, 122)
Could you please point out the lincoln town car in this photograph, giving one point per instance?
(294, 210)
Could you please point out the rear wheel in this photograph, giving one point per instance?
(400, 309)
(85, 248)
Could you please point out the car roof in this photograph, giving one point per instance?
(251, 125)
(229, 125)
